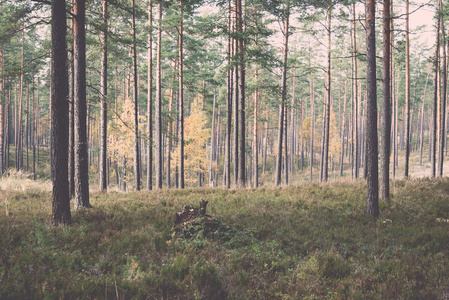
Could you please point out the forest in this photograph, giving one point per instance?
(315, 129)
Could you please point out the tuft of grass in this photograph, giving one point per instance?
(309, 241)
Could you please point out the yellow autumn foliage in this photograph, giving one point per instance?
(196, 134)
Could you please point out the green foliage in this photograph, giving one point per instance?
(309, 241)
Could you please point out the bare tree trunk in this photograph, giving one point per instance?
(435, 97)
(355, 99)
(343, 128)
(71, 114)
(265, 147)
(312, 125)
(328, 98)
(277, 181)
(386, 106)
(227, 167)
(407, 90)
(255, 127)
(158, 160)
(104, 107)
(236, 97)
(442, 94)
(19, 139)
(241, 178)
(181, 98)
(421, 140)
(61, 201)
(170, 127)
(136, 105)
(372, 204)
(2, 114)
(33, 131)
(80, 108)
(150, 99)
(212, 145)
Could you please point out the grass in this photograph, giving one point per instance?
(306, 241)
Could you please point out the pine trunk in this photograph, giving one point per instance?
(150, 99)
(104, 108)
(386, 106)
(435, 97)
(158, 118)
(59, 129)
(136, 104)
(372, 204)
(80, 108)
(407, 91)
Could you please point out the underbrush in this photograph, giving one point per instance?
(306, 241)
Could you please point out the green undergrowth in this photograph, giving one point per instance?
(307, 241)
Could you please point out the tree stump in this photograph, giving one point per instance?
(188, 214)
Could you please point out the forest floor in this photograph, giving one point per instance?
(310, 241)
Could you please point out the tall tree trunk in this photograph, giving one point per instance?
(229, 83)
(442, 94)
(343, 129)
(372, 201)
(33, 131)
(71, 112)
(328, 97)
(236, 96)
(356, 149)
(104, 93)
(255, 128)
(158, 160)
(19, 139)
(212, 145)
(312, 125)
(386, 106)
(150, 99)
(136, 104)
(421, 140)
(181, 98)
(277, 180)
(80, 108)
(435, 96)
(407, 90)
(242, 128)
(59, 129)
(27, 124)
(170, 127)
(2, 114)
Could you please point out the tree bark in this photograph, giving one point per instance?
(80, 108)
(442, 94)
(328, 98)
(277, 180)
(312, 121)
(150, 99)
(2, 114)
(255, 128)
(435, 96)
(158, 123)
(227, 168)
(71, 113)
(372, 204)
(343, 129)
(355, 126)
(407, 90)
(421, 140)
(136, 104)
(386, 106)
(61, 201)
(104, 107)
(181, 98)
